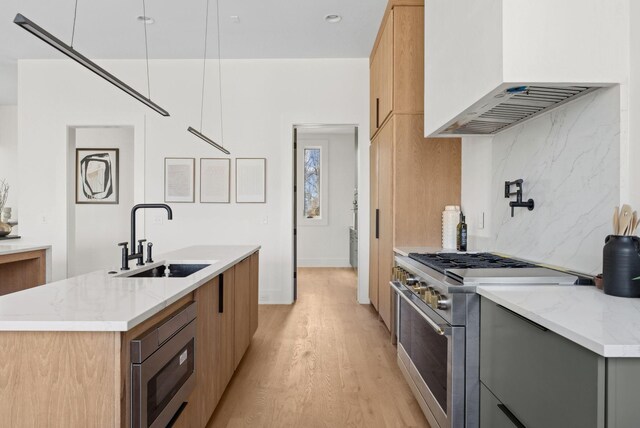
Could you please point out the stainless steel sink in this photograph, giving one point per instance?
(175, 270)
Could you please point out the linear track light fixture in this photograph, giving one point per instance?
(191, 129)
(208, 140)
(58, 44)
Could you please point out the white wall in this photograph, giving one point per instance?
(262, 101)
(569, 159)
(9, 154)
(96, 226)
(328, 245)
(632, 117)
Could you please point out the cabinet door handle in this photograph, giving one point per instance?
(511, 416)
(377, 223)
(221, 295)
(527, 320)
(377, 113)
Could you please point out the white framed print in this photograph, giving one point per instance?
(215, 180)
(251, 180)
(179, 179)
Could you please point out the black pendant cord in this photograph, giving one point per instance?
(73, 30)
(220, 72)
(204, 64)
(146, 47)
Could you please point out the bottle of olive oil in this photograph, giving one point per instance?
(461, 236)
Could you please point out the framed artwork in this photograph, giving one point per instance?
(179, 179)
(97, 180)
(251, 180)
(215, 180)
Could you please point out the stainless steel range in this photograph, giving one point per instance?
(437, 325)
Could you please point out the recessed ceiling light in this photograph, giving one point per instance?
(333, 18)
(146, 19)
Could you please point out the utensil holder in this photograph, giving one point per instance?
(621, 264)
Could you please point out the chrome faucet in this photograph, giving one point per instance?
(139, 254)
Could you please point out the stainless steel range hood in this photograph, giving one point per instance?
(511, 104)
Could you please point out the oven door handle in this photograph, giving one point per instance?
(441, 330)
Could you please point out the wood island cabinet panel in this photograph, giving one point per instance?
(242, 314)
(226, 342)
(21, 271)
(59, 379)
(255, 292)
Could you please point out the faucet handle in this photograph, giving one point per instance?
(123, 244)
(149, 252)
(140, 241)
(125, 255)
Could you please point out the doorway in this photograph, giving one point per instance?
(325, 196)
(95, 227)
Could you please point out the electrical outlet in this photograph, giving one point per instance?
(480, 221)
(44, 219)
(265, 220)
(158, 219)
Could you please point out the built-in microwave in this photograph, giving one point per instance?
(163, 370)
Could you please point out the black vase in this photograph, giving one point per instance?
(621, 264)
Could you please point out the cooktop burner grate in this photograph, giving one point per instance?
(443, 262)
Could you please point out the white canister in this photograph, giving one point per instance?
(450, 220)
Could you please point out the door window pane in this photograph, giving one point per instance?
(312, 208)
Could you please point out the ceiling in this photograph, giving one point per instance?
(107, 29)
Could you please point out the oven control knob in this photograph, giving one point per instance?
(442, 303)
(412, 281)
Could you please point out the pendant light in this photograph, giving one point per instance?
(69, 51)
(191, 129)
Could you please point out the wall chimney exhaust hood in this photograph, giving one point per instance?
(511, 104)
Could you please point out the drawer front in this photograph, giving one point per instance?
(491, 415)
(543, 378)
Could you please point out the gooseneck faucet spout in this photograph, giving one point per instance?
(133, 218)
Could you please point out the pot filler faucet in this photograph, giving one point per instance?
(518, 203)
(139, 255)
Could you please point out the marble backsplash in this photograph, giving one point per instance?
(569, 159)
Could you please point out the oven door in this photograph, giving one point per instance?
(433, 353)
(162, 383)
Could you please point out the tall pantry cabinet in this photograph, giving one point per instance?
(412, 177)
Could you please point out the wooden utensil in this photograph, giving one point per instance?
(632, 225)
(625, 220)
(616, 221)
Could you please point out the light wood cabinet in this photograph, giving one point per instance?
(20, 271)
(412, 178)
(225, 346)
(255, 292)
(374, 219)
(242, 314)
(397, 63)
(382, 77)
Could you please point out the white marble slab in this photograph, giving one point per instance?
(606, 325)
(99, 301)
(404, 251)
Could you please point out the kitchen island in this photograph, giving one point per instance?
(66, 347)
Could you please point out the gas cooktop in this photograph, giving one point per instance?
(489, 268)
(443, 262)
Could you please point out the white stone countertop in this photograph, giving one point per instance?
(606, 325)
(99, 301)
(13, 248)
(404, 251)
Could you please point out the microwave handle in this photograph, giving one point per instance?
(435, 326)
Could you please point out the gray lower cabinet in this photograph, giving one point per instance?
(492, 412)
(541, 379)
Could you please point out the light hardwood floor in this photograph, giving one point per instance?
(324, 362)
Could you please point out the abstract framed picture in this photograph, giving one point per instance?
(251, 180)
(215, 180)
(97, 180)
(179, 180)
